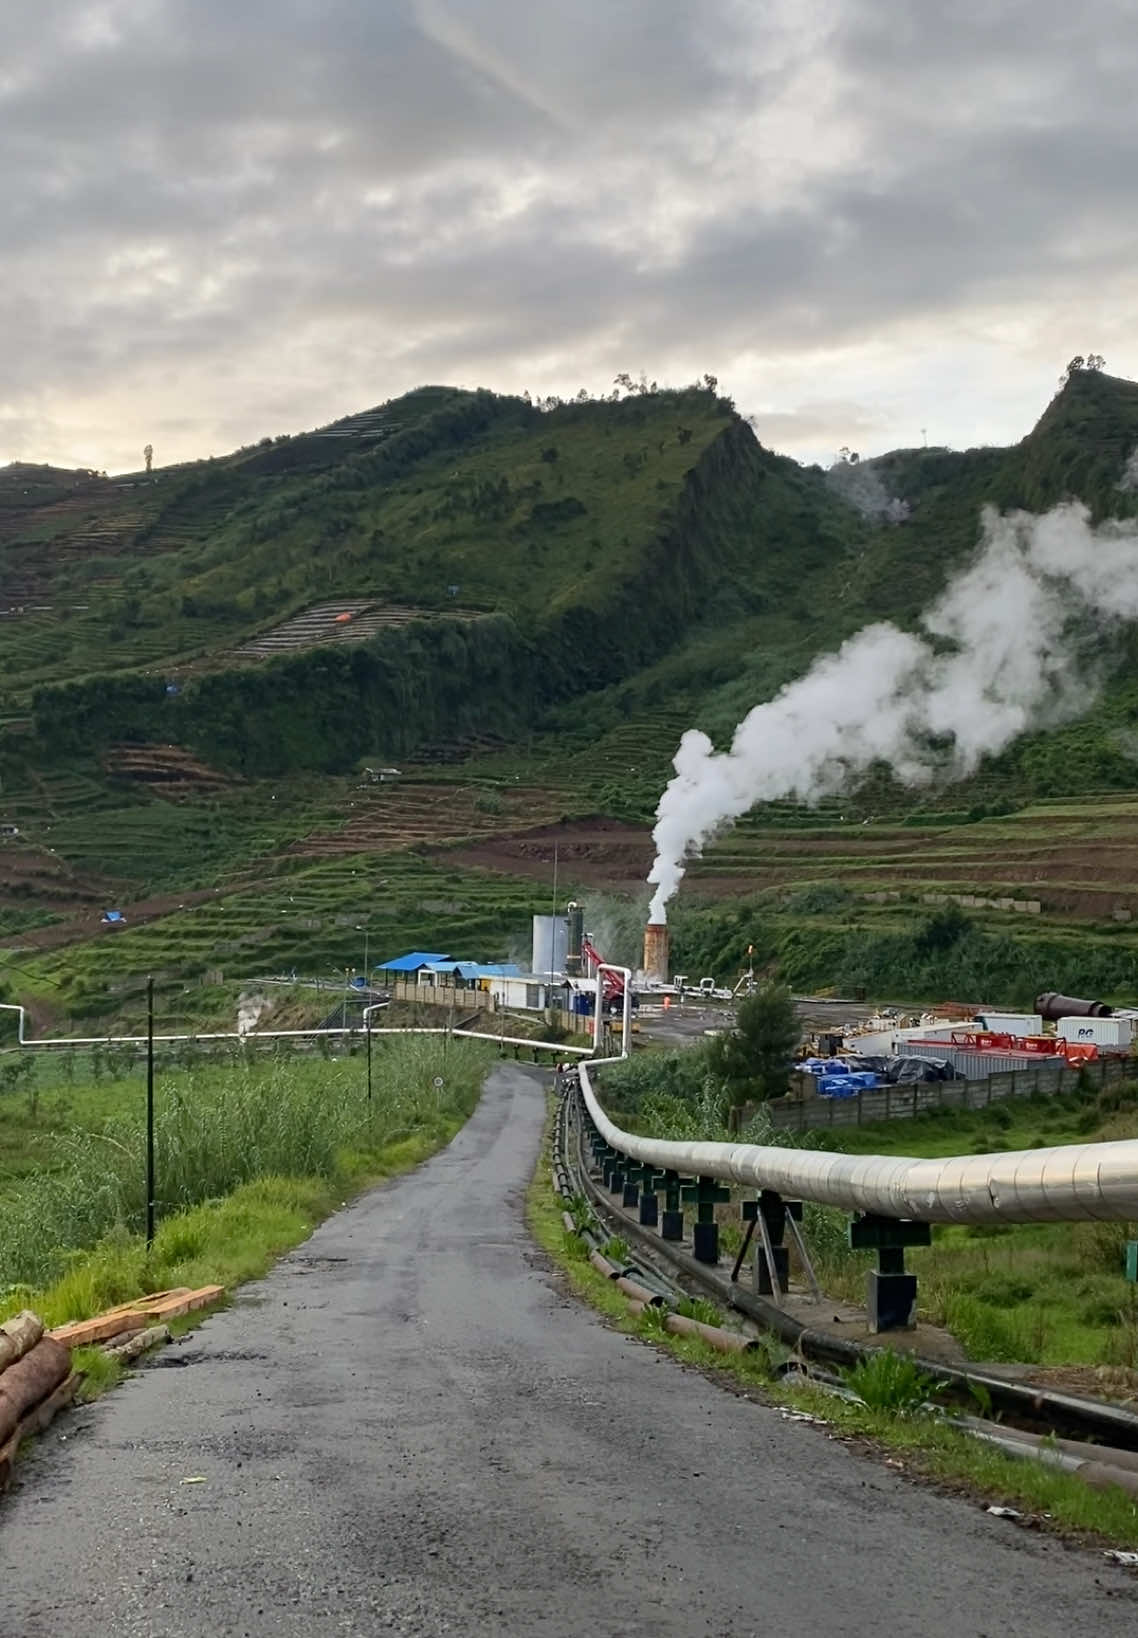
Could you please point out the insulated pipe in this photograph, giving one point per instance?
(1069, 1184)
(598, 1019)
(286, 1034)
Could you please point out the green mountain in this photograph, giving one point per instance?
(522, 607)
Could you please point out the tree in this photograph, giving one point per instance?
(942, 930)
(148, 456)
(754, 1059)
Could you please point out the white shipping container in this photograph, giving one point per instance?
(1112, 1033)
(1012, 1023)
(877, 1043)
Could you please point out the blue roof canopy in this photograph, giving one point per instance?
(475, 969)
(412, 962)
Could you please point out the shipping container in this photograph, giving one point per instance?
(874, 1044)
(1112, 1034)
(977, 1066)
(1011, 1023)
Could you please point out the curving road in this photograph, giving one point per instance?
(408, 1427)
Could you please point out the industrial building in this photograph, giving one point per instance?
(560, 979)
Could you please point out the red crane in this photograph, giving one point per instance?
(612, 983)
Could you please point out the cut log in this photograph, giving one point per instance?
(139, 1343)
(38, 1418)
(29, 1380)
(18, 1336)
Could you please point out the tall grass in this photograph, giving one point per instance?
(217, 1128)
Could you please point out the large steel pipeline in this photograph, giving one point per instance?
(1051, 1005)
(1063, 1185)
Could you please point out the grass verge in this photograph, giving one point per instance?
(924, 1446)
(235, 1234)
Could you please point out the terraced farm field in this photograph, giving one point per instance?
(315, 918)
(340, 622)
(1071, 859)
(426, 812)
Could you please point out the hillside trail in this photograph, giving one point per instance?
(408, 1426)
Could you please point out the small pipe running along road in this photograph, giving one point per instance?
(409, 1426)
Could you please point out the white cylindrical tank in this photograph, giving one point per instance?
(1110, 1033)
(550, 943)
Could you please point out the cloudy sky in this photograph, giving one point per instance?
(872, 219)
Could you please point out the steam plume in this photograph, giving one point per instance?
(1003, 660)
(249, 1010)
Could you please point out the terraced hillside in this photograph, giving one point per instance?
(539, 603)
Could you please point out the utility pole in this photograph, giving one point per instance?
(149, 1113)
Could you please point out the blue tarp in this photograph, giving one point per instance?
(112, 915)
(411, 963)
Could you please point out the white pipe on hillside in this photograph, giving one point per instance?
(280, 1034)
(1068, 1184)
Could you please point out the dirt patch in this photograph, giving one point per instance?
(594, 852)
(404, 814)
(1115, 1383)
(167, 770)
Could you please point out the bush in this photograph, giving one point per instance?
(886, 1381)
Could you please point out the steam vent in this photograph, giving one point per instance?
(656, 951)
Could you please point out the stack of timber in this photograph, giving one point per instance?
(121, 1330)
(36, 1381)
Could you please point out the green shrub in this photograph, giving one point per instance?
(886, 1381)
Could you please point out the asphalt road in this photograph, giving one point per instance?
(409, 1427)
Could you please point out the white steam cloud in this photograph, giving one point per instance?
(860, 486)
(1002, 660)
(249, 1011)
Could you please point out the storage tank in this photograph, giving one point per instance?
(1053, 1005)
(1111, 1034)
(550, 943)
(576, 922)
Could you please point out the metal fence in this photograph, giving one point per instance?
(903, 1102)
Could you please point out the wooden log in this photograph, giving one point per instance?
(29, 1380)
(38, 1418)
(18, 1336)
(139, 1343)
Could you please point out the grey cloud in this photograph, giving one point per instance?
(495, 185)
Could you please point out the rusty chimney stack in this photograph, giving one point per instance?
(656, 951)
